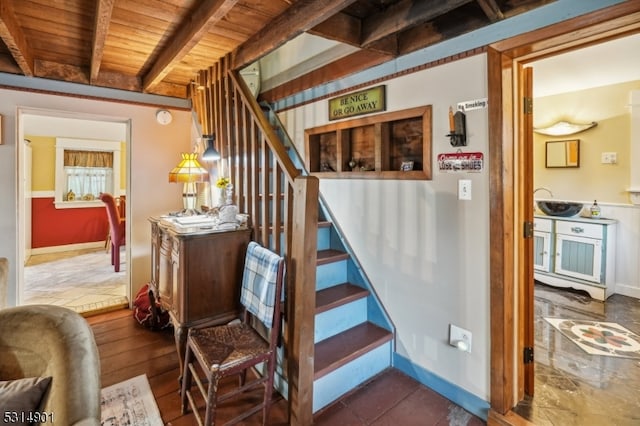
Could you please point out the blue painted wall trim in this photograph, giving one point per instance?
(63, 87)
(558, 11)
(463, 398)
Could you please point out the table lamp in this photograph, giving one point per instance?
(189, 172)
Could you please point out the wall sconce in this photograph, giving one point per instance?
(189, 172)
(564, 128)
(457, 128)
(210, 153)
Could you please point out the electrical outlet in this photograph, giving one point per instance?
(464, 189)
(460, 338)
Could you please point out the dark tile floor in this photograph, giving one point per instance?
(575, 388)
(394, 398)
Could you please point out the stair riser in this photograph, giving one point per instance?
(335, 384)
(331, 274)
(324, 238)
(339, 319)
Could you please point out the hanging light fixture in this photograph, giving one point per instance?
(210, 153)
(564, 128)
(189, 172)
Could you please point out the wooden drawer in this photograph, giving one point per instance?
(580, 229)
(542, 225)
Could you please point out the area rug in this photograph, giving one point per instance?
(599, 338)
(130, 403)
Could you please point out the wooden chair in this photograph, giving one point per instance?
(116, 229)
(227, 350)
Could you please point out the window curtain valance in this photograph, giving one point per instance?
(76, 158)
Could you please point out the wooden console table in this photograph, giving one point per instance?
(196, 276)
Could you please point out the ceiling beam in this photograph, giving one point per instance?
(208, 13)
(491, 9)
(300, 17)
(13, 37)
(100, 28)
(347, 29)
(404, 15)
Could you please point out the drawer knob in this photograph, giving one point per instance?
(577, 230)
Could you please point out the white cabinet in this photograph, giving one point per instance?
(581, 254)
(542, 244)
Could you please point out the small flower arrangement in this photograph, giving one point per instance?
(222, 182)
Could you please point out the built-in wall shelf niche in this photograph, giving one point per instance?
(393, 145)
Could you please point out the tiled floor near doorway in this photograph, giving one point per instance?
(571, 386)
(81, 280)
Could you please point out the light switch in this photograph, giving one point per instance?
(464, 189)
(609, 158)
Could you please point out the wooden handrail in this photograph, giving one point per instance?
(281, 202)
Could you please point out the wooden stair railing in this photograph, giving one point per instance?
(282, 204)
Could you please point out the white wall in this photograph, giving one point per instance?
(426, 252)
(153, 151)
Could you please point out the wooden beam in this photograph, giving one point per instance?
(404, 15)
(491, 9)
(301, 17)
(208, 13)
(100, 29)
(340, 27)
(13, 37)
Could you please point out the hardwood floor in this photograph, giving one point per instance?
(128, 350)
(392, 398)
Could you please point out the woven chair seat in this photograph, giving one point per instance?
(226, 347)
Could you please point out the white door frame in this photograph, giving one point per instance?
(23, 194)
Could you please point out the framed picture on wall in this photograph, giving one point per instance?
(562, 153)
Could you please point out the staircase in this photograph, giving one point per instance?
(353, 341)
(352, 336)
(349, 347)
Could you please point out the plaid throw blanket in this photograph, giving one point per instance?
(259, 282)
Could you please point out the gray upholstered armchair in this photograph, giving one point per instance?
(51, 341)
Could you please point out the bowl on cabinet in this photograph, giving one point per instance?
(559, 208)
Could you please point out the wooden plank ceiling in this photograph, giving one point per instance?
(158, 46)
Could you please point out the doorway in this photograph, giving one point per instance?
(508, 191)
(570, 382)
(76, 274)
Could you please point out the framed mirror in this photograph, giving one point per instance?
(562, 153)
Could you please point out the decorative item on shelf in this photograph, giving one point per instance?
(189, 172)
(221, 184)
(353, 164)
(406, 166)
(71, 196)
(228, 211)
(564, 128)
(457, 128)
(326, 167)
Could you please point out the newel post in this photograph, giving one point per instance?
(301, 300)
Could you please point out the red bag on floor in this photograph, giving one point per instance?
(143, 314)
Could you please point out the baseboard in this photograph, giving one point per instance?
(463, 398)
(627, 290)
(67, 247)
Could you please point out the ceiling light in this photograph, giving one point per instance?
(564, 128)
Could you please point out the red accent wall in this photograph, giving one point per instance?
(56, 227)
